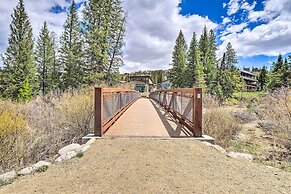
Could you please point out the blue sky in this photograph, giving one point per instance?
(258, 29)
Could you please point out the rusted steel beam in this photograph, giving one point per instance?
(197, 112)
(108, 90)
(98, 109)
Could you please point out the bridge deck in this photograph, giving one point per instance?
(145, 118)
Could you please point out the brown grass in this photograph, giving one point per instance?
(221, 125)
(36, 130)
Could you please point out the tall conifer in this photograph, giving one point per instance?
(20, 74)
(179, 61)
(71, 53)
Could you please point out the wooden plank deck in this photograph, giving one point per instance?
(145, 118)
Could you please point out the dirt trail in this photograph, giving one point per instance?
(153, 166)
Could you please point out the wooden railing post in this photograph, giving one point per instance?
(98, 112)
(197, 112)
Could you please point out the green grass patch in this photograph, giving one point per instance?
(80, 155)
(42, 168)
(245, 147)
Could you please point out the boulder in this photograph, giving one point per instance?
(41, 164)
(66, 156)
(26, 171)
(8, 175)
(83, 148)
(216, 147)
(69, 148)
(91, 141)
(248, 157)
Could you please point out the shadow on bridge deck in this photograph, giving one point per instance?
(146, 118)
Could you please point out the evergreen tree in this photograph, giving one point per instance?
(262, 78)
(279, 74)
(55, 72)
(212, 62)
(19, 68)
(103, 23)
(230, 57)
(204, 47)
(179, 60)
(45, 59)
(71, 52)
(285, 73)
(194, 74)
(228, 79)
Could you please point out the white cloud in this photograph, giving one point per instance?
(152, 28)
(233, 7)
(270, 38)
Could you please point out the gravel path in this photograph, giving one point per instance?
(153, 166)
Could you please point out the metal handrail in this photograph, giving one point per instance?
(185, 104)
(123, 100)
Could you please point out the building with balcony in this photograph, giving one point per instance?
(250, 80)
(142, 83)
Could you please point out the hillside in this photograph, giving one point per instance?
(153, 166)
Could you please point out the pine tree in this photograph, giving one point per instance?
(55, 72)
(194, 71)
(230, 57)
(179, 60)
(71, 52)
(285, 74)
(212, 62)
(204, 47)
(278, 74)
(262, 78)
(228, 79)
(45, 58)
(103, 23)
(19, 66)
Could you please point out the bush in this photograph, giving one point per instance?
(221, 125)
(13, 133)
(274, 109)
(42, 168)
(38, 129)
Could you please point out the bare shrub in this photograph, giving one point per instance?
(210, 101)
(275, 111)
(221, 125)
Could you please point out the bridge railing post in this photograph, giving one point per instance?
(197, 112)
(98, 109)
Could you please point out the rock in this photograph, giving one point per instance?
(240, 155)
(66, 156)
(41, 164)
(8, 175)
(83, 149)
(69, 148)
(26, 171)
(91, 141)
(217, 147)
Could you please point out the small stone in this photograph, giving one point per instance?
(217, 147)
(69, 148)
(240, 155)
(8, 175)
(26, 171)
(83, 149)
(66, 156)
(41, 164)
(91, 141)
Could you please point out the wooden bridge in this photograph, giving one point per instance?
(166, 113)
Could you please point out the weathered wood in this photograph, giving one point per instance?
(98, 109)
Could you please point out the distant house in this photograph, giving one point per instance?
(250, 80)
(164, 85)
(142, 83)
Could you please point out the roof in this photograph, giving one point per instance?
(247, 72)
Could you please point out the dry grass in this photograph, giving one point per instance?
(36, 130)
(221, 125)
